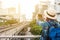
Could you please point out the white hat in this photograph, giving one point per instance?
(50, 13)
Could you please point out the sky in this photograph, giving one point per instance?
(26, 6)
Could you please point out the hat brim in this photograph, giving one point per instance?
(46, 15)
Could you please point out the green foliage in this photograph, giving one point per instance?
(11, 21)
(36, 30)
(32, 23)
(1, 23)
(8, 22)
(36, 39)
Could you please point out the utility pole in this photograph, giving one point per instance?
(19, 11)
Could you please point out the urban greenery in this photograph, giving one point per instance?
(35, 29)
(32, 23)
(8, 22)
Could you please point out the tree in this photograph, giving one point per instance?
(36, 30)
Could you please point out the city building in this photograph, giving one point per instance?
(35, 12)
(19, 12)
(0, 4)
(12, 11)
(40, 8)
(57, 6)
(22, 18)
(3, 11)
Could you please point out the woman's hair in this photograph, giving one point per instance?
(40, 17)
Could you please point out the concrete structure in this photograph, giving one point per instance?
(18, 12)
(0, 4)
(35, 13)
(22, 18)
(57, 6)
(42, 6)
(3, 11)
(11, 10)
(4, 18)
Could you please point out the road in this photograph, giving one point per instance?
(15, 27)
(12, 30)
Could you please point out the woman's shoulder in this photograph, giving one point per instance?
(44, 24)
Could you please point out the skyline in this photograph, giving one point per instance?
(27, 10)
(26, 6)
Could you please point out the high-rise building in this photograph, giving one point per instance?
(12, 11)
(19, 11)
(17, 14)
(42, 6)
(35, 13)
(0, 7)
(0, 4)
(57, 6)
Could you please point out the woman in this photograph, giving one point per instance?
(50, 19)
